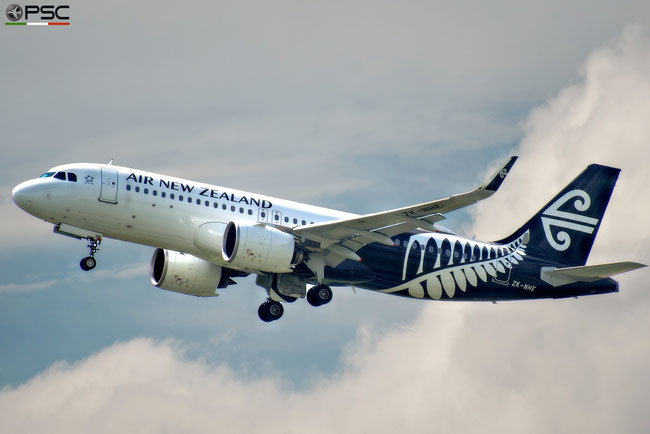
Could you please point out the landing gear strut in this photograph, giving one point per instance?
(319, 295)
(89, 262)
(270, 310)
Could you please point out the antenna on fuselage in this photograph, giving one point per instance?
(110, 163)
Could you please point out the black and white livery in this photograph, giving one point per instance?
(206, 236)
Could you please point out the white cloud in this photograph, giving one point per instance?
(602, 119)
(500, 368)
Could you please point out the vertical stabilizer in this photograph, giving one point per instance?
(564, 231)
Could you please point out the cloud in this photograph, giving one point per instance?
(602, 119)
(295, 100)
(448, 372)
(540, 366)
(121, 272)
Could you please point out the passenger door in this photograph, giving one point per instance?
(108, 192)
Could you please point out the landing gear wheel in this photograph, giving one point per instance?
(261, 311)
(270, 311)
(88, 263)
(319, 295)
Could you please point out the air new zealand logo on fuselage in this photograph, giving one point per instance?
(567, 220)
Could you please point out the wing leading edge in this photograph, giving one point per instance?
(340, 239)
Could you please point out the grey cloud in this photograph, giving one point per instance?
(289, 99)
(121, 272)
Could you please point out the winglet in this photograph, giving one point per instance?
(495, 182)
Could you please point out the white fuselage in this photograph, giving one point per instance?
(153, 209)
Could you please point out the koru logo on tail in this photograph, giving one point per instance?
(576, 222)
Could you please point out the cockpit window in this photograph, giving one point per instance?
(47, 175)
(60, 175)
(72, 177)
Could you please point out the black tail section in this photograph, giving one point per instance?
(565, 229)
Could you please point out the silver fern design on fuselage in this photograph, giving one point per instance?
(458, 263)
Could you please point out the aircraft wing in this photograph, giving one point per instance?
(342, 238)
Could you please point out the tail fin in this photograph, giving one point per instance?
(565, 229)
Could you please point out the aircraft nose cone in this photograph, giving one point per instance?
(23, 195)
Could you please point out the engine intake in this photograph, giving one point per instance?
(259, 247)
(187, 274)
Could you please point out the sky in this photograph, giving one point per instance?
(360, 106)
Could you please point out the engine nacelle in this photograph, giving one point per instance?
(209, 237)
(187, 274)
(259, 248)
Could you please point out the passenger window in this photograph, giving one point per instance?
(163, 194)
(286, 219)
(60, 175)
(72, 177)
(198, 201)
(276, 217)
(223, 206)
(207, 203)
(250, 212)
(180, 197)
(189, 199)
(128, 188)
(137, 189)
(295, 221)
(263, 214)
(232, 208)
(241, 210)
(304, 222)
(146, 191)
(216, 205)
(171, 195)
(154, 192)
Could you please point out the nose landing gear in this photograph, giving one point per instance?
(89, 262)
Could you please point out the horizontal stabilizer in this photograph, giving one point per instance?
(588, 273)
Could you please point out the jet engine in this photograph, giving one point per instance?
(209, 237)
(187, 274)
(259, 248)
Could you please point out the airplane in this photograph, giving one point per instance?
(207, 235)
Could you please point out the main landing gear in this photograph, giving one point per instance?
(270, 310)
(319, 295)
(89, 262)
